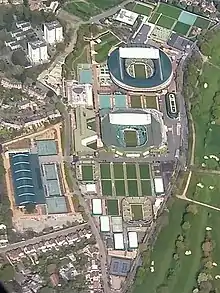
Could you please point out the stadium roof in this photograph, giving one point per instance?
(158, 183)
(26, 178)
(120, 266)
(138, 52)
(132, 239)
(126, 16)
(96, 206)
(117, 224)
(104, 224)
(130, 118)
(119, 241)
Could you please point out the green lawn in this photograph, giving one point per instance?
(154, 17)
(146, 187)
(112, 207)
(151, 102)
(131, 171)
(106, 187)
(139, 70)
(142, 9)
(105, 171)
(120, 187)
(87, 173)
(118, 171)
(181, 28)
(202, 23)
(144, 171)
(137, 212)
(169, 10)
(166, 22)
(132, 188)
(102, 49)
(130, 137)
(84, 10)
(136, 102)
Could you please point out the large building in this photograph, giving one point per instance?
(78, 94)
(37, 52)
(53, 32)
(140, 69)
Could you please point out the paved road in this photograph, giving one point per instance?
(41, 238)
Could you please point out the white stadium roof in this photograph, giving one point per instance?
(104, 224)
(96, 206)
(134, 52)
(132, 239)
(130, 118)
(158, 183)
(119, 241)
(126, 16)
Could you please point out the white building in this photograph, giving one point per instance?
(126, 16)
(78, 94)
(96, 206)
(37, 52)
(104, 224)
(132, 239)
(158, 184)
(53, 32)
(119, 241)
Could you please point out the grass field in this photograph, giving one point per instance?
(130, 137)
(105, 171)
(132, 188)
(112, 207)
(139, 70)
(154, 17)
(142, 9)
(136, 102)
(108, 41)
(146, 187)
(84, 10)
(120, 187)
(131, 171)
(169, 10)
(166, 21)
(144, 171)
(181, 28)
(118, 171)
(137, 212)
(87, 173)
(151, 102)
(202, 23)
(106, 187)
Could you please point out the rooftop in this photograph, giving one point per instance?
(37, 44)
(126, 16)
(52, 25)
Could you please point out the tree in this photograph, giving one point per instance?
(192, 208)
(30, 208)
(186, 226)
(176, 256)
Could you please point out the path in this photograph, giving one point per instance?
(198, 202)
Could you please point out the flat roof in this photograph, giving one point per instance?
(119, 241)
(46, 147)
(91, 187)
(120, 266)
(130, 118)
(132, 239)
(96, 206)
(138, 53)
(104, 223)
(52, 181)
(126, 16)
(158, 183)
(117, 224)
(56, 205)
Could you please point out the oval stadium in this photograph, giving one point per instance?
(140, 69)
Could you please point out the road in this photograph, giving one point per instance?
(41, 238)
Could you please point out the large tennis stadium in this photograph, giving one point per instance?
(133, 131)
(140, 69)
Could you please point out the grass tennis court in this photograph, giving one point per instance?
(132, 188)
(169, 10)
(154, 17)
(181, 28)
(120, 187)
(137, 212)
(201, 22)
(142, 9)
(105, 171)
(146, 187)
(139, 70)
(130, 137)
(144, 171)
(136, 102)
(112, 207)
(131, 171)
(106, 187)
(151, 102)
(166, 21)
(87, 173)
(118, 171)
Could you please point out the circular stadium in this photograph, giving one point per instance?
(140, 69)
(134, 131)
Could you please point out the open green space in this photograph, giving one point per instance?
(112, 207)
(132, 188)
(151, 102)
(131, 171)
(144, 171)
(118, 171)
(106, 187)
(181, 28)
(202, 23)
(136, 102)
(130, 137)
(84, 9)
(166, 21)
(87, 173)
(108, 41)
(137, 212)
(139, 70)
(168, 10)
(154, 17)
(105, 171)
(120, 187)
(105, 4)
(146, 187)
(142, 9)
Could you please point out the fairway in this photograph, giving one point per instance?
(120, 187)
(144, 171)
(146, 187)
(142, 9)
(202, 23)
(131, 171)
(136, 102)
(181, 28)
(140, 70)
(166, 21)
(87, 173)
(106, 187)
(169, 10)
(105, 171)
(118, 171)
(130, 137)
(107, 42)
(132, 188)
(137, 212)
(112, 207)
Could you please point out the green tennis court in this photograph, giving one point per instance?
(120, 187)
(131, 171)
(87, 173)
(132, 188)
(144, 171)
(118, 171)
(112, 207)
(106, 187)
(146, 187)
(105, 171)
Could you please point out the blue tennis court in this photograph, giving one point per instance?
(105, 102)
(120, 101)
(187, 18)
(85, 75)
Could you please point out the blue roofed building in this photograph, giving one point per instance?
(26, 178)
(120, 266)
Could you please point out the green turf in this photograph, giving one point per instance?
(120, 187)
(136, 102)
(137, 212)
(169, 10)
(132, 188)
(87, 173)
(106, 187)
(139, 70)
(151, 102)
(105, 171)
(202, 23)
(144, 171)
(130, 137)
(181, 28)
(142, 9)
(102, 49)
(131, 171)
(112, 207)
(146, 187)
(118, 171)
(154, 17)
(84, 10)
(166, 22)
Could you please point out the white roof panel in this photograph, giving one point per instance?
(132, 239)
(96, 206)
(130, 118)
(158, 183)
(117, 224)
(126, 16)
(134, 52)
(119, 241)
(104, 224)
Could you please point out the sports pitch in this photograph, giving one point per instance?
(140, 70)
(130, 137)
(136, 102)
(112, 207)
(137, 212)
(87, 173)
(142, 9)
